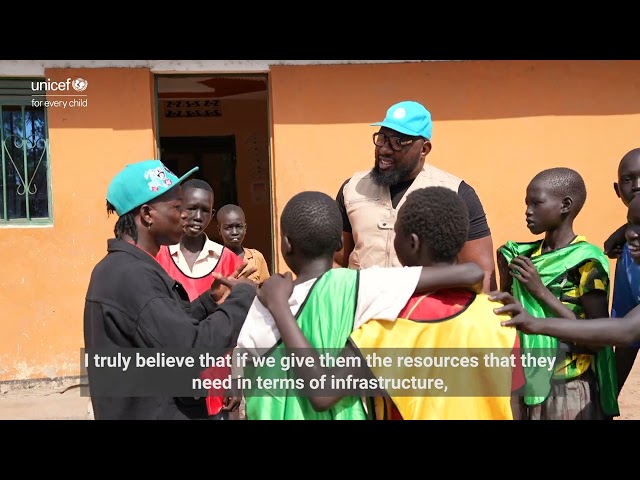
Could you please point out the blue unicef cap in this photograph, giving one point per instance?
(139, 183)
(410, 118)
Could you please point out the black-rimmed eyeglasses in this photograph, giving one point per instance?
(396, 143)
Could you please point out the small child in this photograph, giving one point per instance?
(562, 275)
(329, 303)
(233, 227)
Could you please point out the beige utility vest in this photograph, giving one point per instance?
(372, 215)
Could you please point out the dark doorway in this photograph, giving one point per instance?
(216, 157)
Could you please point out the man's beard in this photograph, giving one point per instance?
(396, 175)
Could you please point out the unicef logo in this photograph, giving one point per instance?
(79, 84)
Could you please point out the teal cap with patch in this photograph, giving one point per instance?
(408, 117)
(141, 182)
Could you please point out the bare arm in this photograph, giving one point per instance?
(595, 305)
(341, 257)
(600, 331)
(554, 303)
(480, 251)
(613, 245)
(276, 291)
(464, 275)
(295, 341)
(274, 295)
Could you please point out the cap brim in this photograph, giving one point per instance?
(396, 127)
(190, 172)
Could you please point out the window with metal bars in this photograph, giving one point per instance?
(25, 184)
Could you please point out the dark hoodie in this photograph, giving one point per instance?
(133, 303)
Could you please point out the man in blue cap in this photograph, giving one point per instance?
(370, 199)
(132, 302)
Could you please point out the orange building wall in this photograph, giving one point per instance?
(46, 270)
(496, 124)
(248, 121)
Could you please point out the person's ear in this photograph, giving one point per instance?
(567, 202)
(286, 245)
(146, 214)
(414, 247)
(340, 245)
(616, 188)
(426, 148)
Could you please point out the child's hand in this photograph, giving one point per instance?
(613, 245)
(219, 291)
(233, 398)
(520, 318)
(222, 286)
(240, 272)
(275, 291)
(523, 269)
(509, 304)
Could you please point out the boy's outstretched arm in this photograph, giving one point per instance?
(463, 275)
(274, 295)
(600, 331)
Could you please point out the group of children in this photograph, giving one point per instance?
(561, 275)
(196, 259)
(430, 303)
(600, 330)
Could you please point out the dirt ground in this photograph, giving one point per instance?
(53, 401)
(64, 401)
(629, 399)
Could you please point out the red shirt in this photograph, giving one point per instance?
(225, 264)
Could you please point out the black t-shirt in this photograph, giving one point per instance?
(478, 226)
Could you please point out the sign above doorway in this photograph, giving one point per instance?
(192, 108)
